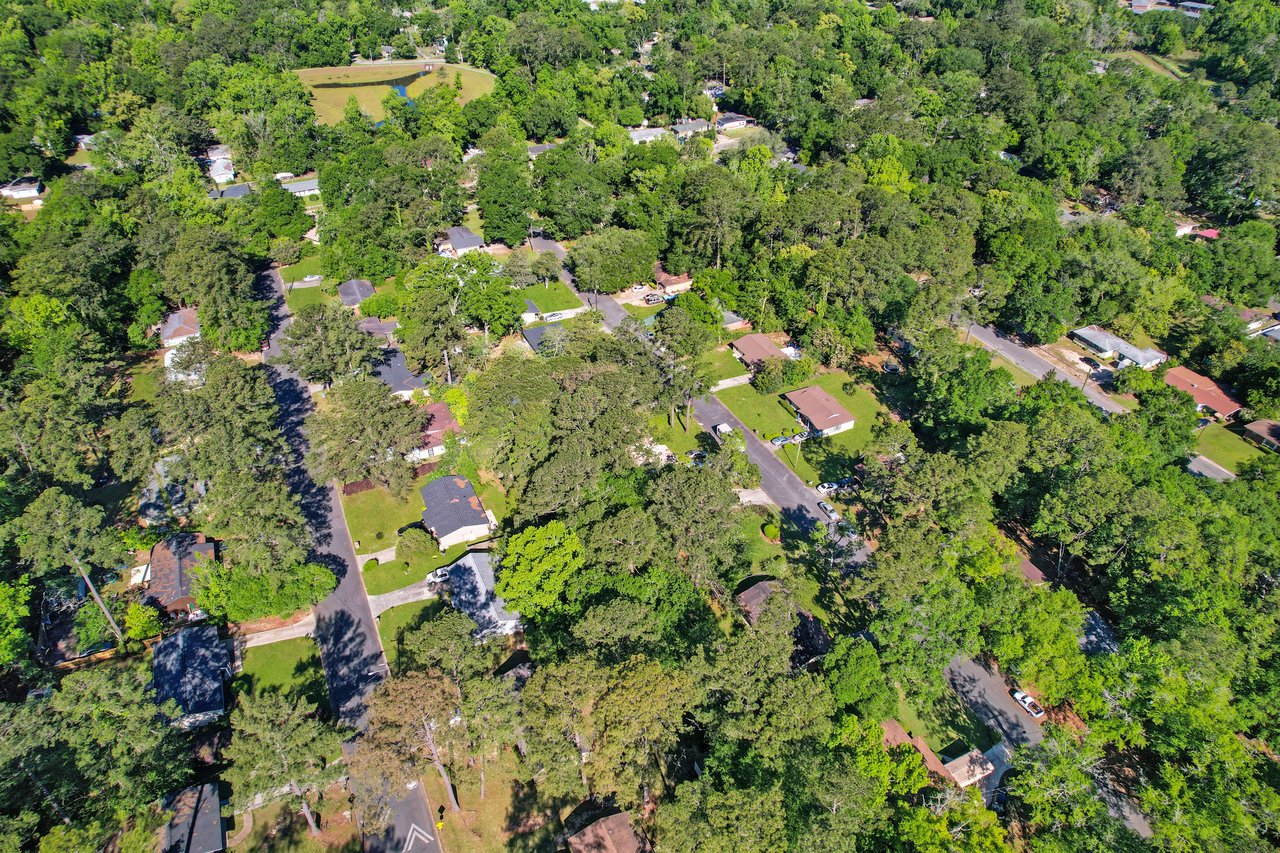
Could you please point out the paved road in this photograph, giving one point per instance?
(1202, 466)
(1028, 360)
(345, 630)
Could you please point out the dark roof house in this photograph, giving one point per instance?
(169, 581)
(385, 329)
(460, 240)
(196, 825)
(452, 512)
(189, 667)
(394, 372)
(534, 335)
(355, 291)
(811, 639)
(236, 191)
(612, 834)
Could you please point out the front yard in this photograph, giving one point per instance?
(1220, 444)
(674, 436)
(375, 516)
(393, 624)
(721, 364)
(556, 296)
(948, 727)
(397, 574)
(298, 298)
(815, 460)
(289, 666)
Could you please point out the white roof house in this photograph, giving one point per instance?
(221, 171)
(1107, 345)
(641, 135)
(22, 188)
(302, 187)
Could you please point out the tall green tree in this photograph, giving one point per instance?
(365, 432)
(324, 344)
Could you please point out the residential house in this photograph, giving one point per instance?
(733, 322)
(1106, 345)
(470, 585)
(612, 834)
(196, 825)
(459, 240)
(221, 170)
(671, 284)
(714, 89)
(755, 349)
(182, 325)
(688, 127)
(302, 187)
(732, 121)
(190, 668)
(1265, 432)
(168, 577)
(1207, 234)
(394, 372)
(453, 513)
(231, 192)
(535, 336)
(1209, 395)
(21, 189)
(970, 768)
(383, 329)
(537, 150)
(440, 423)
(1184, 227)
(895, 735)
(85, 141)
(810, 639)
(355, 291)
(1256, 320)
(819, 410)
(642, 135)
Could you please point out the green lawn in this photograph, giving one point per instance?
(674, 436)
(302, 269)
(144, 380)
(642, 311)
(555, 297)
(1225, 447)
(1020, 377)
(380, 578)
(949, 727)
(330, 103)
(471, 219)
(300, 297)
(393, 623)
(722, 364)
(816, 460)
(375, 516)
(289, 666)
(280, 830)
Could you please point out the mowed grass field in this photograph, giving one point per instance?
(329, 103)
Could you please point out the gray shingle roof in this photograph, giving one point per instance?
(471, 584)
(353, 292)
(451, 503)
(463, 238)
(188, 668)
(395, 374)
(302, 186)
(196, 826)
(533, 335)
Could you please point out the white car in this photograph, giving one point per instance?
(829, 510)
(723, 429)
(827, 488)
(310, 279)
(639, 288)
(554, 316)
(1028, 704)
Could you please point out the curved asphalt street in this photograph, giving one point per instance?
(350, 648)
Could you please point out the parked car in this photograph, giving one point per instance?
(829, 510)
(1093, 363)
(654, 299)
(892, 367)
(827, 488)
(779, 440)
(309, 279)
(697, 454)
(801, 436)
(723, 429)
(639, 288)
(1028, 704)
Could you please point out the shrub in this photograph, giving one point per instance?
(141, 621)
(238, 595)
(414, 543)
(770, 531)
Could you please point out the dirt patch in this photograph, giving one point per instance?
(267, 623)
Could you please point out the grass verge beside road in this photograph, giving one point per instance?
(289, 666)
(375, 516)
(397, 574)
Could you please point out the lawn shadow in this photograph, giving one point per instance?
(533, 821)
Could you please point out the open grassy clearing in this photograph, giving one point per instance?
(674, 436)
(555, 296)
(302, 269)
(300, 297)
(289, 666)
(369, 84)
(280, 830)
(145, 379)
(1230, 450)
(722, 364)
(948, 727)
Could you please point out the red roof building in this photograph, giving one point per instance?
(817, 408)
(1209, 395)
(755, 349)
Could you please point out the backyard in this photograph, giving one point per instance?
(554, 297)
(369, 84)
(287, 666)
(1220, 444)
(145, 378)
(816, 460)
(674, 436)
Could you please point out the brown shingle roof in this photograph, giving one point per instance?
(818, 407)
(1265, 430)
(1203, 390)
(753, 598)
(182, 323)
(896, 735)
(756, 349)
(441, 423)
(612, 834)
(171, 563)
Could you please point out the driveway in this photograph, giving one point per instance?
(350, 649)
(987, 695)
(1037, 366)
